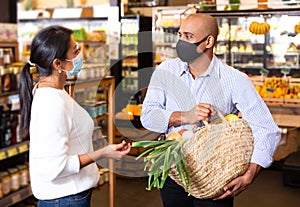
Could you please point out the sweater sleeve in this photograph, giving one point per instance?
(51, 123)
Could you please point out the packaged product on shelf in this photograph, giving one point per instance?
(91, 108)
(105, 174)
(1, 186)
(101, 108)
(5, 79)
(1, 57)
(6, 130)
(83, 74)
(15, 179)
(24, 175)
(101, 179)
(6, 182)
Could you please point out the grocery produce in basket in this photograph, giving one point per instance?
(203, 163)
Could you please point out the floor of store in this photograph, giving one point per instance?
(268, 190)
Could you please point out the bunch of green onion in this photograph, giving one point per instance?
(160, 157)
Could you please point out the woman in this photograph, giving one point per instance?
(61, 157)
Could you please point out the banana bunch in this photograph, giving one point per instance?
(259, 28)
(297, 28)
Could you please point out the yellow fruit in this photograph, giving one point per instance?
(297, 28)
(231, 117)
(259, 28)
(258, 88)
(174, 136)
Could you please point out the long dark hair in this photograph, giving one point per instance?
(50, 43)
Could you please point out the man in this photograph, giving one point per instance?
(185, 91)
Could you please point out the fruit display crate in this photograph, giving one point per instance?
(278, 90)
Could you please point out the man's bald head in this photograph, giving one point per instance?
(202, 23)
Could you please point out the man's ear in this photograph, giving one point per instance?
(210, 41)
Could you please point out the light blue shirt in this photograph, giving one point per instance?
(172, 88)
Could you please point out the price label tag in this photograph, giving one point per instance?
(264, 72)
(23, 148)
(2, 155)
(270, 90)
(285, 71)
(12, 152)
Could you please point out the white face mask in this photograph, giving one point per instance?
(77, 65)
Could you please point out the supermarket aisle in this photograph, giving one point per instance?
(267, 191)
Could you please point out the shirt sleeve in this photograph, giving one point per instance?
(51, 124)
(254, 110)
(155, 117)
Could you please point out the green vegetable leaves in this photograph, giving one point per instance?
(160, 157)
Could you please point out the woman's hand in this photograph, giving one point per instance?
(116, 151)
(113, 151)
(240, 183)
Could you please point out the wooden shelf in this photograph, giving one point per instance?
(14, 150)
(16, 197)
(287, 120)
(14, 46)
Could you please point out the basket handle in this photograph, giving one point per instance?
(220, 115)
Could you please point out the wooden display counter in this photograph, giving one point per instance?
(287, 117)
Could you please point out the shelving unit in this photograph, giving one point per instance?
(14, 150)
(16, 197)
(14, 45)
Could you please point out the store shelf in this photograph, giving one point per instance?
(101, 118)
(167, 44)
(16, 197)
(9, 44)
(287, 120)
(250, 66)
(14, 150)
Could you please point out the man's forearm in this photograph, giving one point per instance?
(176, 119)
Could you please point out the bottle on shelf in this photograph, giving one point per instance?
(5, 128)
(14, 126)
(5, 79)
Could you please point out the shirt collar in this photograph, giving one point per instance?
(184, 69)
(213, 69)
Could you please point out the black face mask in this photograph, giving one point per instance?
(187, 51)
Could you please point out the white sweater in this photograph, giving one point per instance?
(60, 130)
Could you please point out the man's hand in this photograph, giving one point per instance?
(239, 184)
(201, 112)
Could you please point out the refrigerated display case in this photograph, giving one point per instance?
(274, 49)
(137, 57)
(237, 46)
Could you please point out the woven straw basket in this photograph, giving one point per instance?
(218, 153)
